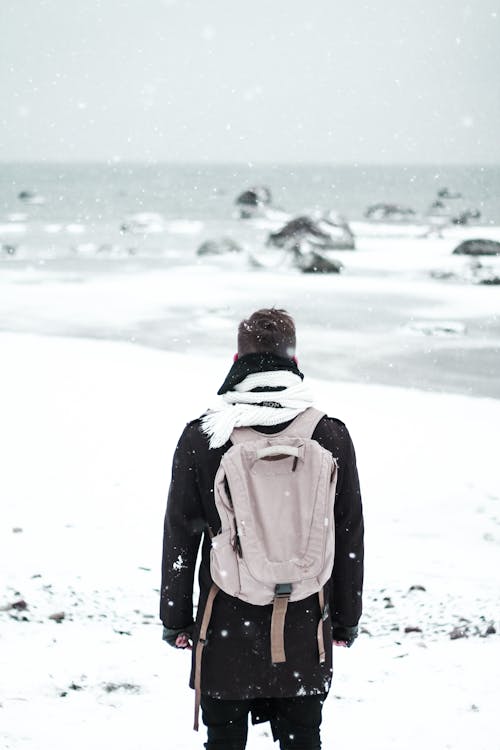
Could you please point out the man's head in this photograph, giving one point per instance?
(267, 330)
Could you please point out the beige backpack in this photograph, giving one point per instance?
(275, 497)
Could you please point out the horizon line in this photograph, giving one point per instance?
(246, 164)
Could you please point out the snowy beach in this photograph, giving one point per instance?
(105, 328)
(168, 169)
(88, 428)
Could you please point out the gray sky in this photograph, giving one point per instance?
(393, 81)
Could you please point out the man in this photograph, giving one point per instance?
(264, 389)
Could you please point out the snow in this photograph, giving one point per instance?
(87, 432)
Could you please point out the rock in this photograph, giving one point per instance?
(9, 249)
(31, 197)
(412, 629)
(417, 587)
(459, 632)
(297, 230)
(389, 212)
(341, 234)
(474, 272)
(437, 328)
(57, 616)
(388, 602)
(17, 530)
(252, 201)
(451, 208)
(219, 247)
(478, 247)
(313, 262)
(143, 223)
(111, 687)
(445, 193)
(464, 217)
(323, 234)
(490, 630)
(19, 606)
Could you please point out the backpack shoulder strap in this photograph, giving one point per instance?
(302, 426)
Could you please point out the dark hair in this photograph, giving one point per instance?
(267, 330)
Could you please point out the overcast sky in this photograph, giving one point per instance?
(392, 81)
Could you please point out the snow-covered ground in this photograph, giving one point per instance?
(384, 319)
(86, 435)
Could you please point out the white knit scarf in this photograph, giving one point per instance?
(243, 407)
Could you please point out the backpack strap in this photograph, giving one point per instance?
(323, 616)
(302, 426)
(280, 605)
(202, 639)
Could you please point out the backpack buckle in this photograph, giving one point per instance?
(282, 590)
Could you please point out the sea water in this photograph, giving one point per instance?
(84, 207)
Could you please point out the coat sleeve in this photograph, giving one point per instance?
(347, 577)
(184, 524)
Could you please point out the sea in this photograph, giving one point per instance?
(82, 208)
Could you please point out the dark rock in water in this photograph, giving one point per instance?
(389, 212)
(323, 234)
(451, 208)
(313, 262)
(9, 249)
(464, 217)
(29, 196)
(219, 247)
(478, 247)
(445, 193)
(474, 272)
(413, 629)
(490, 630)
(252, 200)
(255, 196)
(417, 587)
(296, 230)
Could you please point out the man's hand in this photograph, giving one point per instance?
(179, 637)
(344, 636)
(182, 641)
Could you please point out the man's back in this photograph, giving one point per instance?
(264, 391)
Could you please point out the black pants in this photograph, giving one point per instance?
(295, 722)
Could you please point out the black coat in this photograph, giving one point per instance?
(236, 659)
